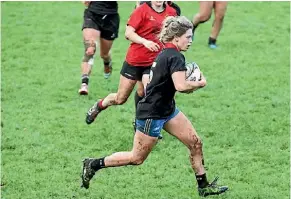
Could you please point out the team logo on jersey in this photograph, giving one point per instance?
(152, 18)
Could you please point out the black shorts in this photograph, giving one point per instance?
(108, 25)
(134, 72)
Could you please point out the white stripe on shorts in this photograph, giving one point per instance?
(148, 126)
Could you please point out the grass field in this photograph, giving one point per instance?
(242, 115)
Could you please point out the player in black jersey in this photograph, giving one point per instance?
(100, 26)
(157, 110)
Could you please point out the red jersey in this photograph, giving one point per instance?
(147, 24)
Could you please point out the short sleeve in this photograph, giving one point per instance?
(177, 63)
(136, 18)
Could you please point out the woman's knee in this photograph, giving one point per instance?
(137, 160)
(219, 10)
(104, 56)
(219, 16)
(120, 99)
(204, 17)
(90, 49)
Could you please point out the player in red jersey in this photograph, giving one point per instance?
(142, 30)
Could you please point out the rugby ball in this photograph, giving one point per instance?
(193, 72)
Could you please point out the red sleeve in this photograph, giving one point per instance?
(136, 18)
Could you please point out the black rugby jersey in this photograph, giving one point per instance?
(159, 102)
(103, 7)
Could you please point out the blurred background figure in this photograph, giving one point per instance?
(205, 11)
(100, 26)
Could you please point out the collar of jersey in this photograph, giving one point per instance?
(150, 5)
(170, 45)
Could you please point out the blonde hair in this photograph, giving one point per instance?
(174, 27)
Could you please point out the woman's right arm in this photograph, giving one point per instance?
(131, 35)
(182, 85)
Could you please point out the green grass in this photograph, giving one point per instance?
(242, 115)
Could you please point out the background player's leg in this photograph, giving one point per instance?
(219, 10)
(105, 46)
(124, 90)
(90, 37)
(141, 86)
(204, 14)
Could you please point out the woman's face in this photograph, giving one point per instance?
(158, 3)
(185, 41)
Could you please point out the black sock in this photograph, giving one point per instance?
(202, 180)
(85, 79)
(137, 98)
(211, 41)
(98, 164)
(107, 63)
(194, 28)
